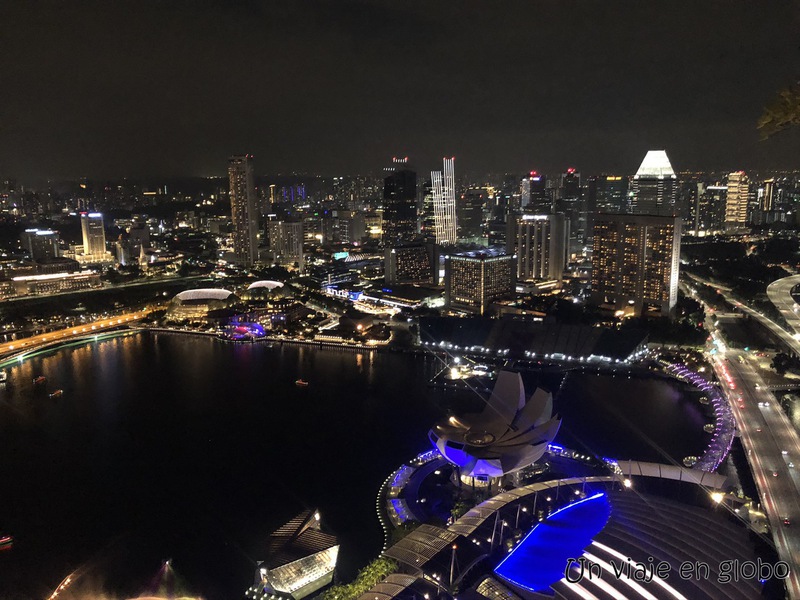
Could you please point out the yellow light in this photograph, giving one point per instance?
(717, 497)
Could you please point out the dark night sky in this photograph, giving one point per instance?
(113, 88)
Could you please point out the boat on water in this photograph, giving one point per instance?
(6, 542)
(39, 379)
(57, 394)
(301, 383)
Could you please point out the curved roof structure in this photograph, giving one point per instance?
(265, 284)
(203, 294)
(508, 435)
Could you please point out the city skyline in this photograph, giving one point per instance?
(320, 74)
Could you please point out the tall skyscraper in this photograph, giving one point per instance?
(40, 244)
(94, 235)
(244, 209)
(768, 195)
(655, 186)
(708, 213)
(635, 263)
(469, 211)
(738, 200)
(474, 281)
(286, 242)
(444, 203)
(540, 246)
(536, 198)
(399, 204)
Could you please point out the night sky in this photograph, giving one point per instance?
(112, 89)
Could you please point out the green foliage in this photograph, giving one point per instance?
(460, 508)
(781, 113)
(367, 577)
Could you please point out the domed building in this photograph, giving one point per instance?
(508, 435)
(195, 305)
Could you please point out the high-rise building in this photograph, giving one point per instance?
(607, 193)
(94, 235)
(286, 242)
(708, 213)
(444, 203)
(768, 197)
(412, 263)
(540, 246)
(399, 204)
(738, 201)
(473, 281)
(536, 198)
(244, 209)
(469, 211)
(635, 263)
(41, 244)
(427, 215)
(655, 186)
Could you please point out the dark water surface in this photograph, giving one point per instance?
(167, 446)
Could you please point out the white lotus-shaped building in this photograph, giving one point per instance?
(508, 435)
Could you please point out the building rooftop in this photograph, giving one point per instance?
(655, 164)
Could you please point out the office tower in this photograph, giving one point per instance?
(768, 195)
(399, 204)
(244, 209)
(427, 215)
(607, 193)
(444, 203)
(536, 198)
(655, 186)
(708, 213)
(473, 281)
(469, 211)
(286, 242)
(40, 244)
(94, 235)
(635, 263)
(540, 244)
(738, 199)
(411, 263)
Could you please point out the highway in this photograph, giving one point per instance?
(765, 434)
(780, 294)
(65, 335)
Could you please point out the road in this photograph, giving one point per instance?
(71, 332)
(765, 434)
(780, 294)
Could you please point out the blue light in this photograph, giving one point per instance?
(541, 557)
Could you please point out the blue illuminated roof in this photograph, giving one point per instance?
(541, 557)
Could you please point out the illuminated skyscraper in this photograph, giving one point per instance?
(470, 213)
(738, 200)
(472, 282)
(286, 242)
(536, 198)
(444, 203)
(635, 263)
(41, 244)
(244, 209)
(540, 246)
(655, 186)
(94, 235)
(399, 204)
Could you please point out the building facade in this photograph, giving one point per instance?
(540, 243)
(443, 188)
(412, 263)
(473, 282)
(737, 201)
(244, 209)
(655, 186)
(94, 235)
(286, 242)
(400, 205)
(635, 263)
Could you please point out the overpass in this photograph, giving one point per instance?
(779, 293)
